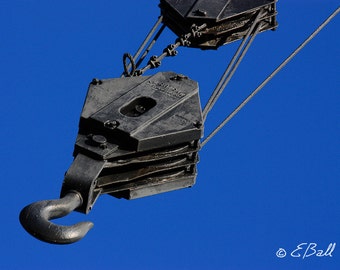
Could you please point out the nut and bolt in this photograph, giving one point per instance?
(140, 109)
(96, 81)
(200, 12)
(111, 124)
(198, 124)
(178, 77)
(97, 140)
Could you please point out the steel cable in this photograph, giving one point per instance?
(282, 65)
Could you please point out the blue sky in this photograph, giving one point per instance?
(268, 180)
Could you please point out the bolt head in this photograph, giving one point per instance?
(96, 81)
(99, 139)
(111, 124)
(198, 124)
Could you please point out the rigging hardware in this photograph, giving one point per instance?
(226, 21)
(140, 135)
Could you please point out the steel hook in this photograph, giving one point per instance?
(35, 218)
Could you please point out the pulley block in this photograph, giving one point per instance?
(225, 20)
(138, 136)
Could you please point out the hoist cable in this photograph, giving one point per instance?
(283, 64)
(232, 66)
(146, 40)
(152, 43)
(223, 86)
(170, 50)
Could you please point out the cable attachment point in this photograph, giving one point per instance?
(184, 40)
(170, 50)
(128, 73)
(196, 30)
(154, 62)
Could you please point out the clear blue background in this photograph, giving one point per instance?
(268, 180)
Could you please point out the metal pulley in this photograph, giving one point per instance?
(225, 20)
(138, 136)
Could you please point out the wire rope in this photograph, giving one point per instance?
(282, 65)
(232, 66)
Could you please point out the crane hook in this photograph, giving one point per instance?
(35, 218)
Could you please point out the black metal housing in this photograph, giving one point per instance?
(226, 20)
(138, 136)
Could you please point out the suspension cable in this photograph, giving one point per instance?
(152, 43)
(145, 42)
(283, 64)
(229, 72)
(170, 50)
